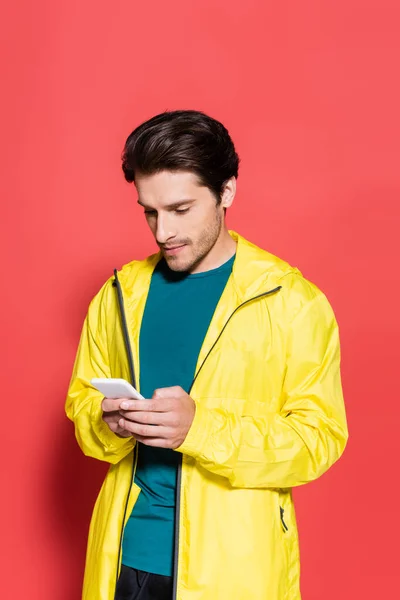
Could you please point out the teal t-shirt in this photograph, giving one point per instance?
(176, 318)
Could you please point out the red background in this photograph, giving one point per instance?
(310, 93)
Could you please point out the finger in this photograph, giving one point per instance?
(145, 417)
(111, 404)
(145, 430)
(111, 417)
(153, 405)
(113, 425)
(124, 434)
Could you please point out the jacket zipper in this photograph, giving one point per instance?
(117, 284)
(179, 470)
(125, 332)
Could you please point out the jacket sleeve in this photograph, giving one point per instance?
(83, 405)
(301, 441)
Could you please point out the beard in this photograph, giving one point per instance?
(196, 250)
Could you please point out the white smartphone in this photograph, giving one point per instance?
(116, 388)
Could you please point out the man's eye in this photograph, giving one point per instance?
(181, 211)
(149, 212)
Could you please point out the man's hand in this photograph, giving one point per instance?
(163, 421)
(111, 415)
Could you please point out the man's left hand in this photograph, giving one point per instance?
(163, 421)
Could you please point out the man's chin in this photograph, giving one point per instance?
(176, 265)
(179, 262)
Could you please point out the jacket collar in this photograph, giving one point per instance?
(255, 271)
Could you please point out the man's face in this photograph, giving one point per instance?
(183, 216)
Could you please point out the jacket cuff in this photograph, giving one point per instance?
(110, 441)
(196, 438)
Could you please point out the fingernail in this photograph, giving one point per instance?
(126, 405)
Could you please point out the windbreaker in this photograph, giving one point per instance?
(269, 416)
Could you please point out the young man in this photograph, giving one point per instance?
(238, 358)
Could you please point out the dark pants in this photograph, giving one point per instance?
(139, 585)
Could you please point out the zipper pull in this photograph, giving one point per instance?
(285, 527)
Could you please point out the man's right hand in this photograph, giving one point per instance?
(111, 415)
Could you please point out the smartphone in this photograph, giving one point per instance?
(116, 388)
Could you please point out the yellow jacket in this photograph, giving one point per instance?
(269, 416)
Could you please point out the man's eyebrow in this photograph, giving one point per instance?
(174, 205)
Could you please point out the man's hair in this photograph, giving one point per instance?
(182, 140)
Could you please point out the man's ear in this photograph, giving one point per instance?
(228, 193)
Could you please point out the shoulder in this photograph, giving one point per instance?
(265, 267)
(304, 300)
(296, 291)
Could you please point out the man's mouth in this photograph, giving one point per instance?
(171, 250)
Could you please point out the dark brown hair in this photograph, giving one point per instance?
(182, 140)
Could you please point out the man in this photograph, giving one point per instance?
(238, 358)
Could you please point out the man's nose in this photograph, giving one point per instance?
(164, 230)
